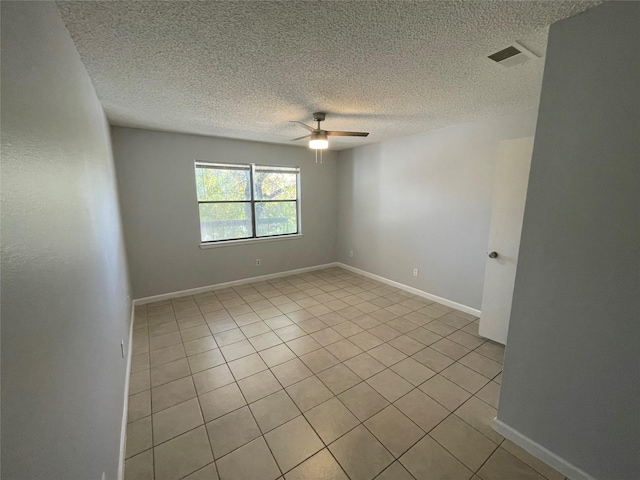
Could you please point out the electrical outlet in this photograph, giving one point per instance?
(415, 272)
(351, 253)
(258, 262)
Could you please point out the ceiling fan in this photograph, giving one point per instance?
(318, 137)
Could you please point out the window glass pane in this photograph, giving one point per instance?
(217, 184)
(275, 185)
(225, 221)
(276, 218)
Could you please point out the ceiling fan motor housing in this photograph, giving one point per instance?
(319, 116)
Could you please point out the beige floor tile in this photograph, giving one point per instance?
(321, 466)
(176, 420)
(538, 465)
(395, 471)
(364, 365)
(169, 372)
(293, 442)
(166, 355)
(250, 462)
(254, 329)
(139, 382)
(280, 321)
(396, 432)
(308, 393)
(265, 341)
(312, 325)
(221, 401)
(237, 350)
(412, 371)
(326, 336)
(445, 392)
(139, 406)
(247, 366)
(498, 379)
(348, 329)
(387, 355)
(422, 409)
(303, 345)
(199, 345)
(139, 467)
(208, 472)
(339, 378)
(465, 339)
(212, 378)
(464, 442)
(504, 466)
(481, 364)
(492, 350)
(344, 349)
(427, 459)
(247, 317)
(424, 336)
(276, 355)
(229, 336)
(432, 359)
(182, 455)
(139, 436)
(291, 372)
(490, 393)
(331, 420)
(259, 386)
(163, 328)
(365, 340)
(480, 416)
(390, 385)
(366, 322)
(450, 349)
(360, 454)
(190, 322)
(221, 325)
(140, 362)
(454, 320)
(232, 431)
(274, 410)
(464, 377)
(319, 360)
(289, 333)
(205, 360)
(172, 393)
(384, 332)
(402, 325)
(363, 401)
(406, 344)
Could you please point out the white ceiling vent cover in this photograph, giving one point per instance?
(513, 55)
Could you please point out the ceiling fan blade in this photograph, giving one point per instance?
(348, 134)
(299, 138)
(311, 129)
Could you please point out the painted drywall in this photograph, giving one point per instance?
(64, 278)
(572, 376)
(156, 179)
(424, 202)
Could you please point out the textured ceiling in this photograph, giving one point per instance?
(243, 69)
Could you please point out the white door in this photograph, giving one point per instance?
(509, 195)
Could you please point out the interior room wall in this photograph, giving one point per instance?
(424, 201)
(572, 378)
(64, 278)
(156, 179)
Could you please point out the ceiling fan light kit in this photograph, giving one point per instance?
(318, 138)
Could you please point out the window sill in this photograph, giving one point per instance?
(244, 241)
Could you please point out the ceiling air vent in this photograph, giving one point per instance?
(512, 55)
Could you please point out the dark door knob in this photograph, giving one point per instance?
(493, 255)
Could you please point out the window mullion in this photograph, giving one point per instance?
(253, 201)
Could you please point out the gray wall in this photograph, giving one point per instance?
(156, 181)
(64, 279)
(425, 201)
(572, 371)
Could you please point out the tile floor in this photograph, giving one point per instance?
(324, 375)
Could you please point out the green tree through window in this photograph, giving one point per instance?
(238, 201)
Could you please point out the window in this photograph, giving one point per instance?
(246, 201)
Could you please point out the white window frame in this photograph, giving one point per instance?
(251, 167)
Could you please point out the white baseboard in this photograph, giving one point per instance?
(235, 283)
(123, 428)
(415, 291)
(560, 464)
